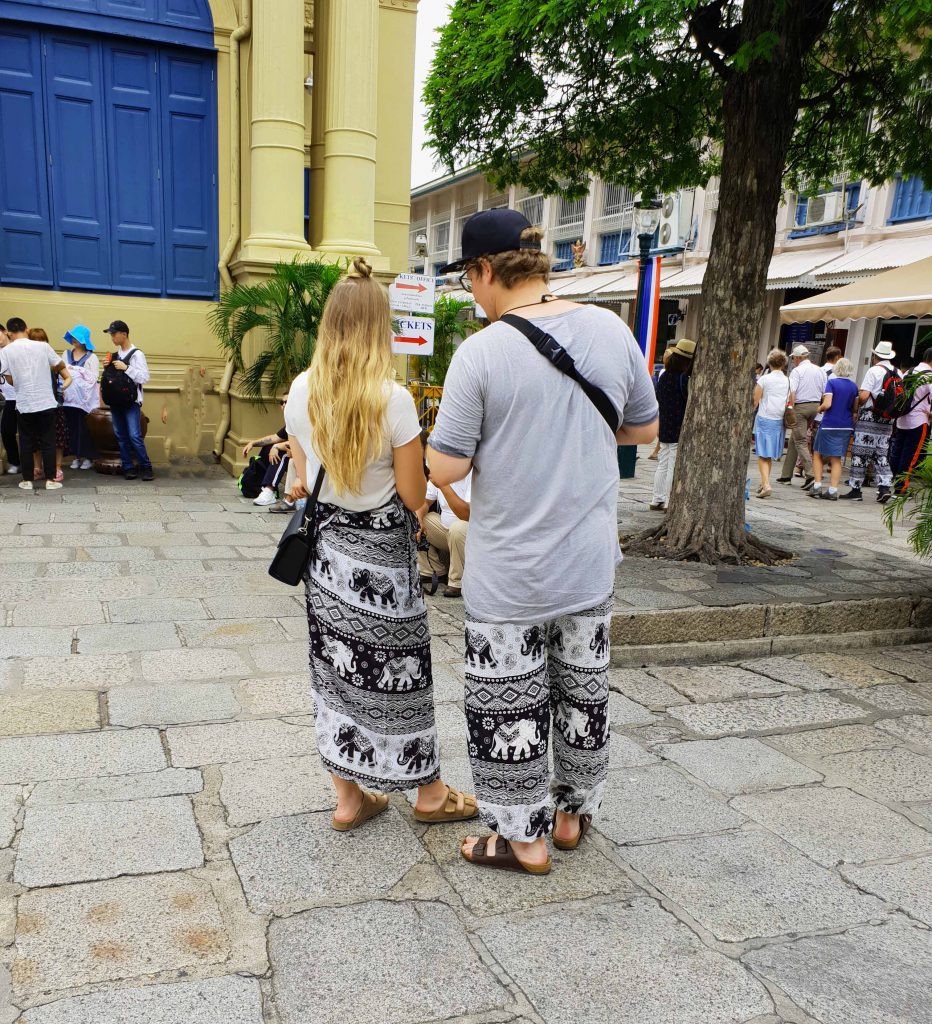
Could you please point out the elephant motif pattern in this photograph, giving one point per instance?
(374, 588)
(370, 664)
(521, 679)
(417, 754)
(401, 674)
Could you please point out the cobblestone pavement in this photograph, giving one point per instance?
(764, 853)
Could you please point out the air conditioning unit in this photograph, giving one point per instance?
(671, 230)
(827, 208)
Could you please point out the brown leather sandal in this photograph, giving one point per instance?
(504, 857)
(457, 807)
(372, 804)
(585, 823)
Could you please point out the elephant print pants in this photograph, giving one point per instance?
(871, 447)
(519, 678)
(371, 679)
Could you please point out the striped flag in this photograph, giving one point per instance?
(648, 309)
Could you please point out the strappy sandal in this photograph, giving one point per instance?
(504, 857)
(372, 804)
(585, 823)
(457, 807)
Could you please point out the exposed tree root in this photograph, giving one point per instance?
(703, 545)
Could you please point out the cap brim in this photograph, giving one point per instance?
(450, 267)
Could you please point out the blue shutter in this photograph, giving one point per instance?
(802, 208)
(25, 235)
(142, 9)
(74, 101)
(188, 173)
(608, 248)
(133, 136)
(912, 201)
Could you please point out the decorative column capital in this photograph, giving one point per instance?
(400, 5)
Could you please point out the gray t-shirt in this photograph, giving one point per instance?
(543, 534)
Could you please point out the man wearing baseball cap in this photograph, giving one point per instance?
(807, 385)
(127, 419)
(543, 543)
(871, 434)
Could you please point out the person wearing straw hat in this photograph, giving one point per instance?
(672, 396)
(871, 434)
(83, 396)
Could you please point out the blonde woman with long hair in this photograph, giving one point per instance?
(369, 640)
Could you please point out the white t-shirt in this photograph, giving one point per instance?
(807, 381)
(776, 390)
(873, 381)
(463, 488)
(400, 425)
(30, 364)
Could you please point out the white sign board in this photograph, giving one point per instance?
(412, 293)
(414, 337)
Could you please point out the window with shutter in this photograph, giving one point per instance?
(912, 200)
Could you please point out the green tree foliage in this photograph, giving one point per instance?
(448, 328)
(661, 94)
(285, 311)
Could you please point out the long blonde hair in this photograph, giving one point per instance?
(352, 362)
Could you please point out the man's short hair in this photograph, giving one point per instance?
(927, 356)
(832, 353)
(16, 325)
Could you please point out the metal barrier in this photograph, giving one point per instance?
(427, 399)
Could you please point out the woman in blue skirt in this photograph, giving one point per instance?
(839, 408)
(770, 397)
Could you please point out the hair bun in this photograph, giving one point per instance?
(360, 268)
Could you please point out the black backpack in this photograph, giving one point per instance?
(884, 406)
(250, 480)
(116, 388)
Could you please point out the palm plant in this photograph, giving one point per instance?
(916, 504)
(286, 308)
(448, 327)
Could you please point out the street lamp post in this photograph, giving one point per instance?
(646, 221)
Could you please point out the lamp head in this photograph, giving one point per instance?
(646, 215)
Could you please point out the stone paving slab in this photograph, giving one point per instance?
(108, 931)
(85, 671)
(913, 729)
(193, 745)
(766, 715)
(733, 765)
(644, 689)
(907, 884)
(168, 782)
(153, 636)
(848, 669)
(229, 1000)
(171, 705)
(75, 755)
(870, 975)
(253, 791)
(792, 671)
(192, 666)
(660, 974)
(86, 842)
(817, 743)
(895, 775)
(657, 802)
(749, 885)
(835, 825)
(719, 682)
(293, 863)
(32, 713)
(25, 641)
(10, 798)
(56, 613)
(153, 609)
(412, 962)
(622, 711)
(290, 695)
(889, 698)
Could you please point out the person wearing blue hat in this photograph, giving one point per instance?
(83, 396)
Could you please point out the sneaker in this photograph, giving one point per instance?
(282, 506)
(266, 497)
(147, 473)
(26, 485)
(76, 464)
(853, 495)
(53, 485)
(658, 507)
(785, 480)
(883, 495)
(830, 495)
(86, 464)
(453, 592)
(130, 474)
(809, 481)
(815, 491)
(13, 470)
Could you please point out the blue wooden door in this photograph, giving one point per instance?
(25, 238)
(74, 104)
(131, 92)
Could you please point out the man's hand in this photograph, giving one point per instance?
(276, 453)
(118, 364)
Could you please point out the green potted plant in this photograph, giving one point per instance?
(449, 326)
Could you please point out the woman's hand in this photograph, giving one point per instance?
(298, 490)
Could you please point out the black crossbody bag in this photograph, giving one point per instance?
(555, 353)
(296, 547)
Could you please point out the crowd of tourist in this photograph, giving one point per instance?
(48, 397)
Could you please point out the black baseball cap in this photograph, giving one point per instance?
(117, 327)
(489, 232)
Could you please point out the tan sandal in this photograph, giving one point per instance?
(457, 807)
(372, 804)
(503, 857)
(585, 823)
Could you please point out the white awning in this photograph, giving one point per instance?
(620, 287)
(680, 283)
(891, 252)
(787, 268)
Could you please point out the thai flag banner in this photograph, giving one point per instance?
(648, 310)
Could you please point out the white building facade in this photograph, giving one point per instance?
(841, 234)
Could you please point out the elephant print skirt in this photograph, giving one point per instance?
(370, 650)
(520, 679)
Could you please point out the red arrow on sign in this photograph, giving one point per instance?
(410, 341)
(412, 287)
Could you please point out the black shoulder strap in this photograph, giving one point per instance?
(555, 353)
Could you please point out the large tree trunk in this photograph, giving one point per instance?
(705, 520)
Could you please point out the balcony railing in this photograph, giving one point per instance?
(462, 215)
(533, 208)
